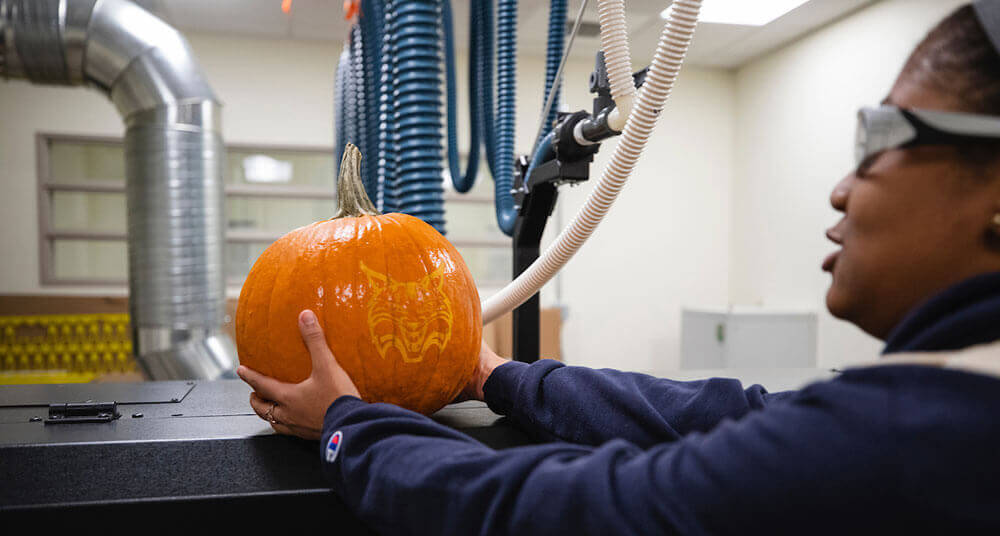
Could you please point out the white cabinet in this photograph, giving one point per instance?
(747, 338)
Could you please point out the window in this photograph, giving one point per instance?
(268, 191)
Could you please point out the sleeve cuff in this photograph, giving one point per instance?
(501, 387)
(340, 408)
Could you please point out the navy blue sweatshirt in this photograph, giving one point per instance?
(887, 449)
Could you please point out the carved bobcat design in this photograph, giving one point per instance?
(410, 316)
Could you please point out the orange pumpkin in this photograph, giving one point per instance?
(398, 305)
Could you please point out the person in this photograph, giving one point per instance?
(908, 444)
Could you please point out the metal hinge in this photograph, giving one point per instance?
(82, 412)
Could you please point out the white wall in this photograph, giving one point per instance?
(665, 244)
(795, 120)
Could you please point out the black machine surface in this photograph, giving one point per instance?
(167, 449)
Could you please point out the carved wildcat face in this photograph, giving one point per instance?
(408, 317)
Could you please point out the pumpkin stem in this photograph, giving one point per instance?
(354, 200)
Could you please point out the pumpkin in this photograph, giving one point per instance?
(397, 303)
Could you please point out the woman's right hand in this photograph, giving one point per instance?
(488, 361)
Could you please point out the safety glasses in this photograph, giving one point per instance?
(890, 127)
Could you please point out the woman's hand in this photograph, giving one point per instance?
(488, 361)
(299, 408)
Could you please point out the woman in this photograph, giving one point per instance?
(906, 445)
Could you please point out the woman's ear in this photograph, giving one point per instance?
(992, 235)
(993, 191)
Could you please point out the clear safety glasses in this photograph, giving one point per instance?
(890, 127)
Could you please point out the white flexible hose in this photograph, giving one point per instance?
(673, 45)
(614, 43)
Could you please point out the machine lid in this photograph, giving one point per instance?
(123, 393)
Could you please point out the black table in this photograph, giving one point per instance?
(180, 450)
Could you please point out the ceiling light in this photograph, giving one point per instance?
(743, 12)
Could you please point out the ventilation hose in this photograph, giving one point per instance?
(502, 160)
(503, 177)
(339, 88)
(350, 108)
(674, 40)
(553, 53)
(358, 83)
(543, 153)
(462, 183)
(484, 71)
(614, 43)
(392, 106)
(418, 114)
(386, 200)
(371, 21)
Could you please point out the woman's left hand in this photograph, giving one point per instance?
(299, 408)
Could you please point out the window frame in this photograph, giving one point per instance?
(46, 186)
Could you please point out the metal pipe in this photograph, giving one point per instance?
(174, 160)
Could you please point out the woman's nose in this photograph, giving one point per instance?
(838, 197)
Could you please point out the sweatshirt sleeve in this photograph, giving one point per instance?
(781, 469)
(589, 406)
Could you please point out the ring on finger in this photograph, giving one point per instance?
(269, 415)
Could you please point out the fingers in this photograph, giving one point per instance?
(268, 387)
(262, 407)
(312, 335)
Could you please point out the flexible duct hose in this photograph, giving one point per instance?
(484, 71)
(362, 98)
(502, 161)
(503, 178)
(418, 111)
(553, 53)
(614, 43)
(542, 153)
(350, 100)
(674, 41)
(174, 155)
(463, 183)
(339, 88)
(371, 21)
(386, 199)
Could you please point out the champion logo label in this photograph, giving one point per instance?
(333, 447)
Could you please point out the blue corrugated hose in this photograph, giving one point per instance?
(358, 136)
(386, 199)
(372, 33)
(389, 103)
(553, 53)
(503, 178)
(462, 183)
(484, 28)
(339, 89)
(543, 153)
(350, 101)
(418, 114)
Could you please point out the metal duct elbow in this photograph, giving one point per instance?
(174, 159)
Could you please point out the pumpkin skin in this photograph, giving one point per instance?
(397, 304)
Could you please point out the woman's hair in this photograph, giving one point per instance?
(958, 60)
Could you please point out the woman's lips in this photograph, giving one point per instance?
(830, 260)
(833, 235)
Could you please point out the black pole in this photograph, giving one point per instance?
(527, 241)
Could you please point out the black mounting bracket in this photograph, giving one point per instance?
(535, 195)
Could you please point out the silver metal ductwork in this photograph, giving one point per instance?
(174, 159)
